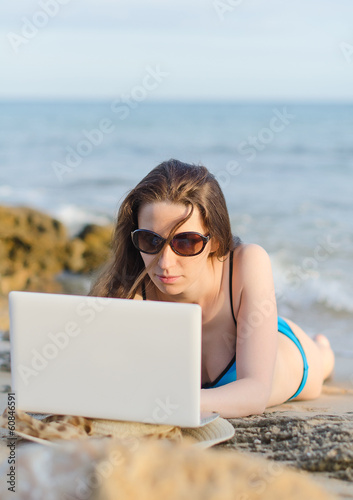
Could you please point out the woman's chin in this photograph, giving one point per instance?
(168, 288)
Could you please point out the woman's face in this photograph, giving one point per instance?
(172, 273)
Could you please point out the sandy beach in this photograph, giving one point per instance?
(313, 438)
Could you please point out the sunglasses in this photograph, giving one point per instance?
(186, 244)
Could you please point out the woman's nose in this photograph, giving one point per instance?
(167, 258)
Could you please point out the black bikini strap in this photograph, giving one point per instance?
(230, 284)
(143, 291)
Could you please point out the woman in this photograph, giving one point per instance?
(173, 242)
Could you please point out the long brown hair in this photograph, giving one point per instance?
(171, 181)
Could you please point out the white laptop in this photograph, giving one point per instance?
(107, 358)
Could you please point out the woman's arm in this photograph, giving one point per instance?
(257, 339)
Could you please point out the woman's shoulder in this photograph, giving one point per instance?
(250, 257)
(249, 250)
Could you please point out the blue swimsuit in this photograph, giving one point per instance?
(229, 374)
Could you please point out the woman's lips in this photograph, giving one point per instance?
(167, 279)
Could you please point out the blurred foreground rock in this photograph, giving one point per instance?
(109, 469)
(35, 248)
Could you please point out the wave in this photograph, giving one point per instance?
(74, 218)
(312, 289)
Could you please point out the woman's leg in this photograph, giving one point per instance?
(328, 358)
(320, 359)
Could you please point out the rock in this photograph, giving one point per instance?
(32, 244)
(110, 469)
(75, 251)
(35, 249)
(159, 470)
(317, 444)
(90, 249)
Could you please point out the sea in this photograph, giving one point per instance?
(286, 170)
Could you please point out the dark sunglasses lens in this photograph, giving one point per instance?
(187, 244)
(148, 242)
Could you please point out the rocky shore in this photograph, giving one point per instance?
(36, 250)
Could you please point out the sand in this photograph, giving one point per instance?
(313, 437)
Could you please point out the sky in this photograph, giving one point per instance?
(178, 50)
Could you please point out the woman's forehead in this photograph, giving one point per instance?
(161, 217)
